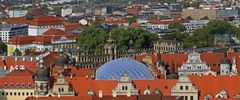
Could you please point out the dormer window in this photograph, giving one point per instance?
(29, 85)
(5, 85)
(17, 85)
(11, 85)
(23, 85)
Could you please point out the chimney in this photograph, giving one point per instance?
(71, 76)
(16, 59)
(100, 94)
(31, 58)
(11, 68)
(36, 95)
(59, 95)
(86, 76)
(23, 58)
(4, 68)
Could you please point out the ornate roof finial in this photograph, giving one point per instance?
(41, 62)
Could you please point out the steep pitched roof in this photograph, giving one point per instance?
(213, 85)
(108, 85)
(211, 59)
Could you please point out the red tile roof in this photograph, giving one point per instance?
(135, 25)
(72, 26)
(55, 32)
(46, 20)
(17, 20)
(17, 77)
(108, 85)
(21, 72)
(52, 34)
(213, 85)
(211, 59)
(61, 98)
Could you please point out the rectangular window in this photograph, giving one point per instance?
(191, 98)
(185, 97)
(186, 87)
(181, 87)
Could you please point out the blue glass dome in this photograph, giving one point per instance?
(114, 69)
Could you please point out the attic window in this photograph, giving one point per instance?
(23, 85)
(11, 85)
(17, 85)
(165, 87)
(5, 85)
(29, 85)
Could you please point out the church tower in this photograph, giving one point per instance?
(41, 79)
(110, 48)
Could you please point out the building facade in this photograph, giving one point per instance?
(185, 88)
(197, 14)
(194, 25)
(52, 40)
(41, 24)
(17, 13)
(167, 46)
(9, 30)
(194, 66)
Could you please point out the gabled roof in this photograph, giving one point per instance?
(72, 26)
(45, 20)
(213, 85)
(211, 59)
(53, 31)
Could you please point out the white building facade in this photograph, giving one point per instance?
(194, 66)
(194, 25)
(43, 23)
(17, 13)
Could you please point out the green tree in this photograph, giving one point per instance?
(140, 38)
(195, 4)
(205, 18)
(92, 39)
(204, 37)
(177, 26)
(27, 51)
(185, 5)
(132, 20)
(176, 36)
(3, 47)
(17, 52)
(189, 18)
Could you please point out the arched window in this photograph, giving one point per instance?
(62, 90)
(122, 87)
